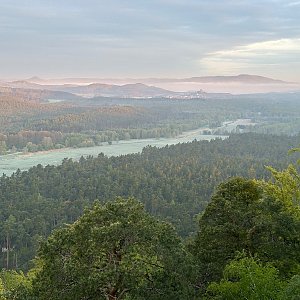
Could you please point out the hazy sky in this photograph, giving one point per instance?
(143, 38)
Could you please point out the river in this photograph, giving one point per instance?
(10, 163)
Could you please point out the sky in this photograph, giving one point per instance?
(149, 38)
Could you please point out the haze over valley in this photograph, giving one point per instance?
(154, 87)
(149, 150)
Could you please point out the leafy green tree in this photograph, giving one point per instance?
(225, 226)
(174, 183)
(247, 278)
(1, 290)
(285, 186)
(15, 285)
(275, 237)
(279, 226)
(292, 290)
(241, 216)
(115, 251)
(47, 143)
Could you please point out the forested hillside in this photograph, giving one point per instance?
(37, 120)
(175, 184)
(247, 244)
(150, 150)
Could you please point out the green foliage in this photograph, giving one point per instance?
(275, 236)
(285, 186)
(280, 223)
(115, 251)
(292, 289)
(247, 278)
(15, 285)
(24, 121)
(226, 226)
(174, 183)
(241, 217)
(118, 249)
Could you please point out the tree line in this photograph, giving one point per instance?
(29, 123)
(247, 246)
(174, 183)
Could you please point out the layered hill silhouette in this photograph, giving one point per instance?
(241, 78)
(152, 87)
(96, 89)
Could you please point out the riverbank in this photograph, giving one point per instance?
(23, 161)
(9, 165)
(228, 125)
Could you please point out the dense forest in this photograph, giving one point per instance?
(34, 120)
(199, 220)
(175, 185)
(150, 150)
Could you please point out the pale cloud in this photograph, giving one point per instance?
(148, 38)
(282, 53)
(262, 48)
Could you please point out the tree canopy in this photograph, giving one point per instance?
(113, 252)
(175, 183)
(248, 278)
(118, 250)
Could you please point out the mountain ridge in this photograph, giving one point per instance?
(95, 89)
(242, 78)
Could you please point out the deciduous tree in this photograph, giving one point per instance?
(113, 252)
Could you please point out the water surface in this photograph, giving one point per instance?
(10, 163)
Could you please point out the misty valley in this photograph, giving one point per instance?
(71, 158)
(150, 150)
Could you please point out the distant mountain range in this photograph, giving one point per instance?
(136, 90)
(192, 87)
(242, 78)
(39, 95)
